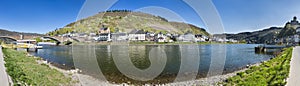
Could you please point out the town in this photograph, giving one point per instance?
(287, 35)
(104, 35)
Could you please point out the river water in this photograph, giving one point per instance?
(105, 61)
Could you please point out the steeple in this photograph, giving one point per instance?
(295, 18)
(295, 22)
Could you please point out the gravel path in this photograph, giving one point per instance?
(4, 78)
(294, 76)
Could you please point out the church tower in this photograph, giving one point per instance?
(295, 18)
(295, 23)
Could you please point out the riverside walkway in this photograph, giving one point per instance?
(4, 78)
(294, 75)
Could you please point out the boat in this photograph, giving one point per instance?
(269, 48)
(30, 45)
(46, 43)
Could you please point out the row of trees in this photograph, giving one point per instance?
(118, 10)
(60, 31)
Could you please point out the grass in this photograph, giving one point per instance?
(273, 72)
(25, 70)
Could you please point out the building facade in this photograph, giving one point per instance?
(137, 35)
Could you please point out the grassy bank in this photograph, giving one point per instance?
(25, 70)
(273, 72)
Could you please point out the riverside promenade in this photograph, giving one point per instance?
(294, 75)
(4, 78)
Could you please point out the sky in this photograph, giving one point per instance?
(42, 16)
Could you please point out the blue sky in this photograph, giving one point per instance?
(41, 16)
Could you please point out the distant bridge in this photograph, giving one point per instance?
(10, 39)
(7, 39)
(60, 39)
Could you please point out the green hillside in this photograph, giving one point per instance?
(125, 21)
(4, 32)
(268, 35)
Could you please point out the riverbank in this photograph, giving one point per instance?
(28, 70)
(273, 72)
(210, 81)
(80, 79)
(87, 80)
(249, 75)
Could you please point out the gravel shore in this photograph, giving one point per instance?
(210, 81)
(86, 80)
(77, 78)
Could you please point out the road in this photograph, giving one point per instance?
(294, 75)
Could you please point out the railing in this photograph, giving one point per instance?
(20, 46)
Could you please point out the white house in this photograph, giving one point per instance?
(137, 35)
(232, 40)
(189, 37)
(119, 36)
(161, 37)
(104, 35)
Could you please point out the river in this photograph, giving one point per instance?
(207, 60)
